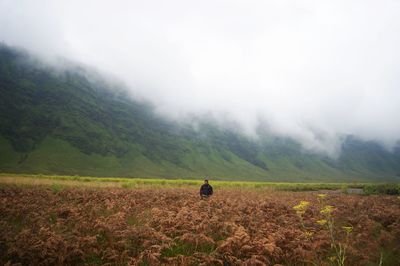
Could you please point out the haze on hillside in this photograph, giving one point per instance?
(311, 70)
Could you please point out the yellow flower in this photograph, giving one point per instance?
(322, 196)
(322, 222)
(302, 206)
(347, 229)
(327, 209)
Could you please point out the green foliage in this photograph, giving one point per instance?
(187, 249)
(57, 188)
(387, 189)
(93, 259)
(68, 123)
(134, 183)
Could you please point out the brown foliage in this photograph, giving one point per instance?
(174, 227)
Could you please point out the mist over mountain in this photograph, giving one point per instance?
(75, 121)
(313, 71)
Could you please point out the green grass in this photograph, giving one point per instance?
(186, 249)
(57, 188)
(59, 182)
(17, 223)
(388, 189)
(94, 259)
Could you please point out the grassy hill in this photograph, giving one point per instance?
(73, 122)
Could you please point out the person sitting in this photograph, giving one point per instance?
(206, 190)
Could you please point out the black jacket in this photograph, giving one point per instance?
(206, 190)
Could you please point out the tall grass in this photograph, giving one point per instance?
(368, 188)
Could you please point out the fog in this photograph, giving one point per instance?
(314, 71)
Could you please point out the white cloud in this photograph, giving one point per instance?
(314, 70)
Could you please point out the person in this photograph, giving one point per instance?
(206, 190)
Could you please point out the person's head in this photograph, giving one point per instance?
(205, 181)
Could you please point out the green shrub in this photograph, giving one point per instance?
(385, 189)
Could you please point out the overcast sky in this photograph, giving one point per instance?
(313, 70)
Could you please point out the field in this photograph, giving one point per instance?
(53, 220)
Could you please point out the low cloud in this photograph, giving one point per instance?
(311, 70)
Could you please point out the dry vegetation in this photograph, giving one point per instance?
(42, 225)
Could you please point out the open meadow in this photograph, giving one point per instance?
(53, 220)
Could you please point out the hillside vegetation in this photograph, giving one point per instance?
(75, 123)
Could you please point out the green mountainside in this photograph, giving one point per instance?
(72, 122)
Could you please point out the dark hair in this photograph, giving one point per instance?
(205, 180)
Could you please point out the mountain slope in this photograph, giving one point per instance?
(72, 122)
